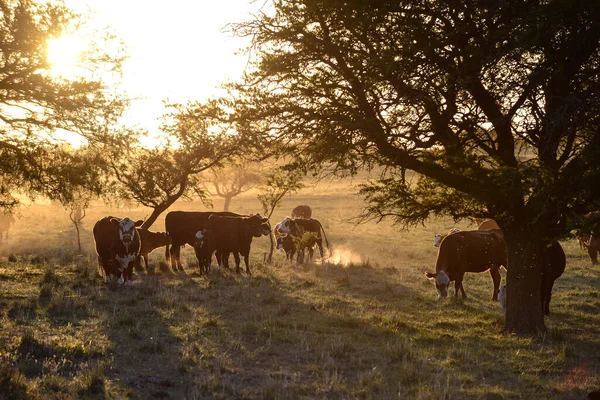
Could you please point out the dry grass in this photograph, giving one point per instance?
(366, 324)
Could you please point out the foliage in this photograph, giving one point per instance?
(279, 183)
(36, 103)
(198, 140)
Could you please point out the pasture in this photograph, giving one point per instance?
(364, 325)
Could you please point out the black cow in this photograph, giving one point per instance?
(150, 241)
(182, 226)
(233, 234)
(118, 246)
(553, 266)
(298, 228)
(286, 243)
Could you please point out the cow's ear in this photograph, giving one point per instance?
(430, 275)
(139, 222)
(114, 221)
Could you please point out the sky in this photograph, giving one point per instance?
(177, 49)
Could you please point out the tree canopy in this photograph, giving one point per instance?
(36, 103)
(494, 105)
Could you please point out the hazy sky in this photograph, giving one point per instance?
(178, 49)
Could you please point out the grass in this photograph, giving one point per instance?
(366, 325)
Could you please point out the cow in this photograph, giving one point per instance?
(204, 247)
(233, 234)
(286, 243)
(118, 246)
(150, 241)
(299, 226)
(437, 239)
(553, 266)
(182, 226)
(487, 224)
(469, 251)
(302, 211)
(589, 235)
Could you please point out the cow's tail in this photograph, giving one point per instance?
(325, 236)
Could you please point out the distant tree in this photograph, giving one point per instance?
(495, 105)
(233, 180)
(76, 208)
(279, 183)
(36, 102)
(157, 177)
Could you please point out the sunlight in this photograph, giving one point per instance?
(63, 54)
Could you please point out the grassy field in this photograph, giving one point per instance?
(366, 324)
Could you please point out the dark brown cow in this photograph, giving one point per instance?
(298, 227)
(302, 211)
(149, 241)
(469, 251)
(182, 226)
(117, 246)
(233, 234)
(553, 266)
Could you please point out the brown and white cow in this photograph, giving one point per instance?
(233, 234)
(298, 227)
(469, 251)
(149, 241)
(118, 246)
(182, 226)
(204, 247)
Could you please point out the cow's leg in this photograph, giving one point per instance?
(247, 262)
(148, 271)
(225, 259)
(236, 257)
(128, 273)
(496, 279)
(458, 286)
(548, 292)
(593, 252)
(174, 253)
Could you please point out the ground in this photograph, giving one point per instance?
(364, 324)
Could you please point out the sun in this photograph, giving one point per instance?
(64, 55)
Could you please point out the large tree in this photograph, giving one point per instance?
(36, 102)
(494, 104)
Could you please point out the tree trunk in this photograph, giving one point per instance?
(78, 236)
(156, 213)
(524, 315)
(227, 202)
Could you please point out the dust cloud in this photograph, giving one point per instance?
(344, 256)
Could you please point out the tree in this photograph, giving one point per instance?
(157, 177)
(77, 211)
(231, 181)
(279, 183)
(494, 105)
(35, 102)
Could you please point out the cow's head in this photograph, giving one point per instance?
(285, 226)
(127, 230)
(441, 280)
(201, 239)
(259, 225)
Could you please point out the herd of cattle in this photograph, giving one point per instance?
(121, 244)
